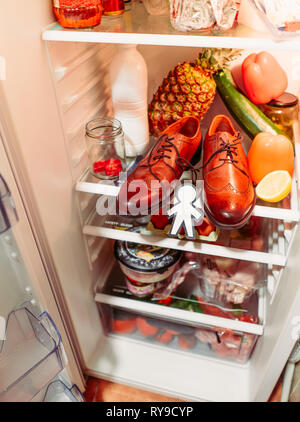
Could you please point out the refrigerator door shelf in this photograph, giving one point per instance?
(58, 391)
(8, 213)
(30, 356)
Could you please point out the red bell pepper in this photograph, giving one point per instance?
(263, 77)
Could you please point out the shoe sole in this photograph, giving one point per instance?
(235, 226)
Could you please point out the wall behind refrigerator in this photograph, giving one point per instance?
(36, 146)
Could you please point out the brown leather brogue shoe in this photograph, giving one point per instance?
(229, 193)
(164, 163)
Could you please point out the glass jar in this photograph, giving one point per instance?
(73, 14)
(106, 148)
(284, 112)
(157, 7)
(191, 15)
(127, 4)
(113, 7)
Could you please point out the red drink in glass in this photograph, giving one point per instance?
(113, 7)
(78, 13)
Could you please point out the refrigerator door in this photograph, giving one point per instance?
(31, 347)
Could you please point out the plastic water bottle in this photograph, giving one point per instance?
(129, 85)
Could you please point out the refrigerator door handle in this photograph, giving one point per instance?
(8, 213)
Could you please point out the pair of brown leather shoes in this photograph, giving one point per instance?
(229, 192)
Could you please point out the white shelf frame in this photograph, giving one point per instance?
(187, 245)
(137, 27)
(183, 316)
(57, 33)
(108, 188)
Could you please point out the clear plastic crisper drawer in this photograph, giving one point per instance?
(185, 321)
(30, 355)
(212, 342)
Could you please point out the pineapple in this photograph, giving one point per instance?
(188, 90)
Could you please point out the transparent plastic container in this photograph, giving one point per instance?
(222, 281)
(183, 321)
(30, 355)
(213, 342)
(59, 389)
(8, 213)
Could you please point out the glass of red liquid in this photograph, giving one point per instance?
(78, 13)
(113, 7)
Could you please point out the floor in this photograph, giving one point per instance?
(106, 391)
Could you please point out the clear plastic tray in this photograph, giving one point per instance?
(188, 296)
(212, 342)
(30, 355)
(184, 321)
(222, 281)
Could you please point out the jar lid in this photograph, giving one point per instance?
(145, 258)
(285, 100)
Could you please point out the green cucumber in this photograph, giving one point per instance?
(248, 115)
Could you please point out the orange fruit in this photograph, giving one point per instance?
(269, 153)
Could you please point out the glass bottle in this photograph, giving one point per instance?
(106, 149)
(78, 14)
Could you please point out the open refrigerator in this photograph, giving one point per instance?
(53, 81)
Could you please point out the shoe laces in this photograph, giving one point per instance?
(231, 153)
(166, 146)
(226, 146)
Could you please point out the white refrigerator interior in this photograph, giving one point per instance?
(55, 82)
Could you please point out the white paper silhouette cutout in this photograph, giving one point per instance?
(187, 211)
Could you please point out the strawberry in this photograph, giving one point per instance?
(99, 166)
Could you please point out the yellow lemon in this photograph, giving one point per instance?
(274, 186)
